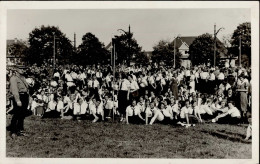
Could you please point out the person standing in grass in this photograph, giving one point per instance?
(19, 90)
(242, 89)
(123, 95)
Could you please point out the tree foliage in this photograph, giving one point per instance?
(17, 49)
(127, 49)
(41, 42)
(141, 58)
(163, 51)
(92, 51)
(244, 31)
(202, 50)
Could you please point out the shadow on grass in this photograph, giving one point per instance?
(228, 135)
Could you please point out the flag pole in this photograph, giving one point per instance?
(114, 81)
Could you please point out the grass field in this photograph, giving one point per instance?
(56, 138)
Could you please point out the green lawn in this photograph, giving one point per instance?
(66, 138)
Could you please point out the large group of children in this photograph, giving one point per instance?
(155, 94)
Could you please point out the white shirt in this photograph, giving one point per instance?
(148, 112)
(175, 108)
(95, 84)
(185, 110)
(76, 109)
(124, 85)
(66, 100)
(163, 82)
(82, 76)
(206, 109)
(74, 75)
(221, 76)
(133, 110)
(192, 85)
(60, 106)
(52, 105)
(134, 86)
(143, 82)
(141, 106)
(54, 84)
(92, 108)
(212, 77)
(68, 77)
(196, 110)
(100, 108)
(134, 77)
(108, 79)
(99, 74)
(158, 77)
(151, 80)
(187, 73)
(57, 74)
(83, 107)
(166, 113)
(204, 75)
(109, 104)
(90, 83)
(234, 112)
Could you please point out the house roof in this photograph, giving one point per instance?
(186, 39)
(108, 46)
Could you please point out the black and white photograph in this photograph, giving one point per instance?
(128, 81)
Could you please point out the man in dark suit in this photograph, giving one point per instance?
(19, 90)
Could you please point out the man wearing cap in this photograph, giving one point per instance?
(19, 90)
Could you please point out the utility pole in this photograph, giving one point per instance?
(129, 37)
(215, 45)
(114, 60)
(74, 41)
(54, 52)
(215, 42)
(239, 58)
(174, 64)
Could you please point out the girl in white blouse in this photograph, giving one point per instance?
(133, 114)
(99, 113)
(149, 111)
(158, 115)
(141, 105)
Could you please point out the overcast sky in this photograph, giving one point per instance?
(148, 25)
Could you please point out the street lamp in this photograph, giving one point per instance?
(215, 41)
(128, 37)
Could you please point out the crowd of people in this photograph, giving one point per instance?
(139, 94)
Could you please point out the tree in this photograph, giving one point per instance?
(141, 58)
(92, 51)
(127, 48)
(244, 31)
(163, 51)
(41, 42)
(18, 50)
(202, 50)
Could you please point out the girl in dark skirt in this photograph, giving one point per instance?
(123, 95)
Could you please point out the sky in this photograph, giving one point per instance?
(148, 25)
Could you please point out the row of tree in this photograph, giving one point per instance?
(93, 51)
